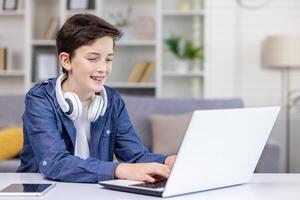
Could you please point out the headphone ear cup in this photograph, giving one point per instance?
(75, 105)
(105, 101)
(59, 94)
(95, 108)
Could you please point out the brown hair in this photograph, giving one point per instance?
(83, 29)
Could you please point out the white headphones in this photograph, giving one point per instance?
(70, 103)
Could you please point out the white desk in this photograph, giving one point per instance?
(262, 186)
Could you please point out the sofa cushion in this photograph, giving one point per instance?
(168, 132)
(11, 142)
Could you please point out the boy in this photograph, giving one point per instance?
(74, 124)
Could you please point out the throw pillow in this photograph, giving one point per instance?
(168, 132)
(11, 142)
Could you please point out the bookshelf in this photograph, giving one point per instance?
(12, 39)
(150, 22)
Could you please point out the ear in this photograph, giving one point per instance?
(64, 59)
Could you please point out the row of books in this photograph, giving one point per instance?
(141, 71)
(2, 59)
(51, 29)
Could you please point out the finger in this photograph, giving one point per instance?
(162, 166)
(149, 179)
(158, 170)
(159, 178)
(162, 172)
(165, 168)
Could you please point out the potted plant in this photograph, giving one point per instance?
(185, 52)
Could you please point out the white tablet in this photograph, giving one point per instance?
(26, 189)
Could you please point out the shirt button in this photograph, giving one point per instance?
(44, 163)
(108, 132)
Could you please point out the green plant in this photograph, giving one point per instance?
(120, 19)
(183, 49)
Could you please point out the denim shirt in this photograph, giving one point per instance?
(49, 139)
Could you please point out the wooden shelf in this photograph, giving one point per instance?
(42, 42)
(183, 13)
(11, 13)
(131, 85)
(12, 73)
(76, 11)
(183, 74)
(136, 43)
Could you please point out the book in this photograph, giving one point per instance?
(137, 72)
(46, 66)
(148, 71)
(51, 28)
(2, 59)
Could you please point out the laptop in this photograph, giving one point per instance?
(220, 148)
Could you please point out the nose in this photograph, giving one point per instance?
(102, 67)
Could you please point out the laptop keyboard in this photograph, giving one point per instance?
(154, 185)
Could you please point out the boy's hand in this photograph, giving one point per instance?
(142, 171)
(170, 161)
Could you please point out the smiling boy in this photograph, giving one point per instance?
(73, 124)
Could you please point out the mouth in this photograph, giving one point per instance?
(97, 79)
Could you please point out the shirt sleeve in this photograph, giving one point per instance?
(53, 158)
(128, 146)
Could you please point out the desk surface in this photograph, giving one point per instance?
(261, 186)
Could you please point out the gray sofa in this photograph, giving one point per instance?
(139, 109)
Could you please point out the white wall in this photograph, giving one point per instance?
(234, 62)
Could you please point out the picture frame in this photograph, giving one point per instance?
(10, 4)
(78, 4)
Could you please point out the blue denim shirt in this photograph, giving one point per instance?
(49, 139)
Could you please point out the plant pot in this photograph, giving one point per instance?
(181, 65)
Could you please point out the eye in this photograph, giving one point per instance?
(92, 59)
(109, 60)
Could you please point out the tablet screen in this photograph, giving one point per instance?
(25, 188)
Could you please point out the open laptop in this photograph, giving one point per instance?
(220, 148)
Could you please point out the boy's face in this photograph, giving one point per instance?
(91, 65)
